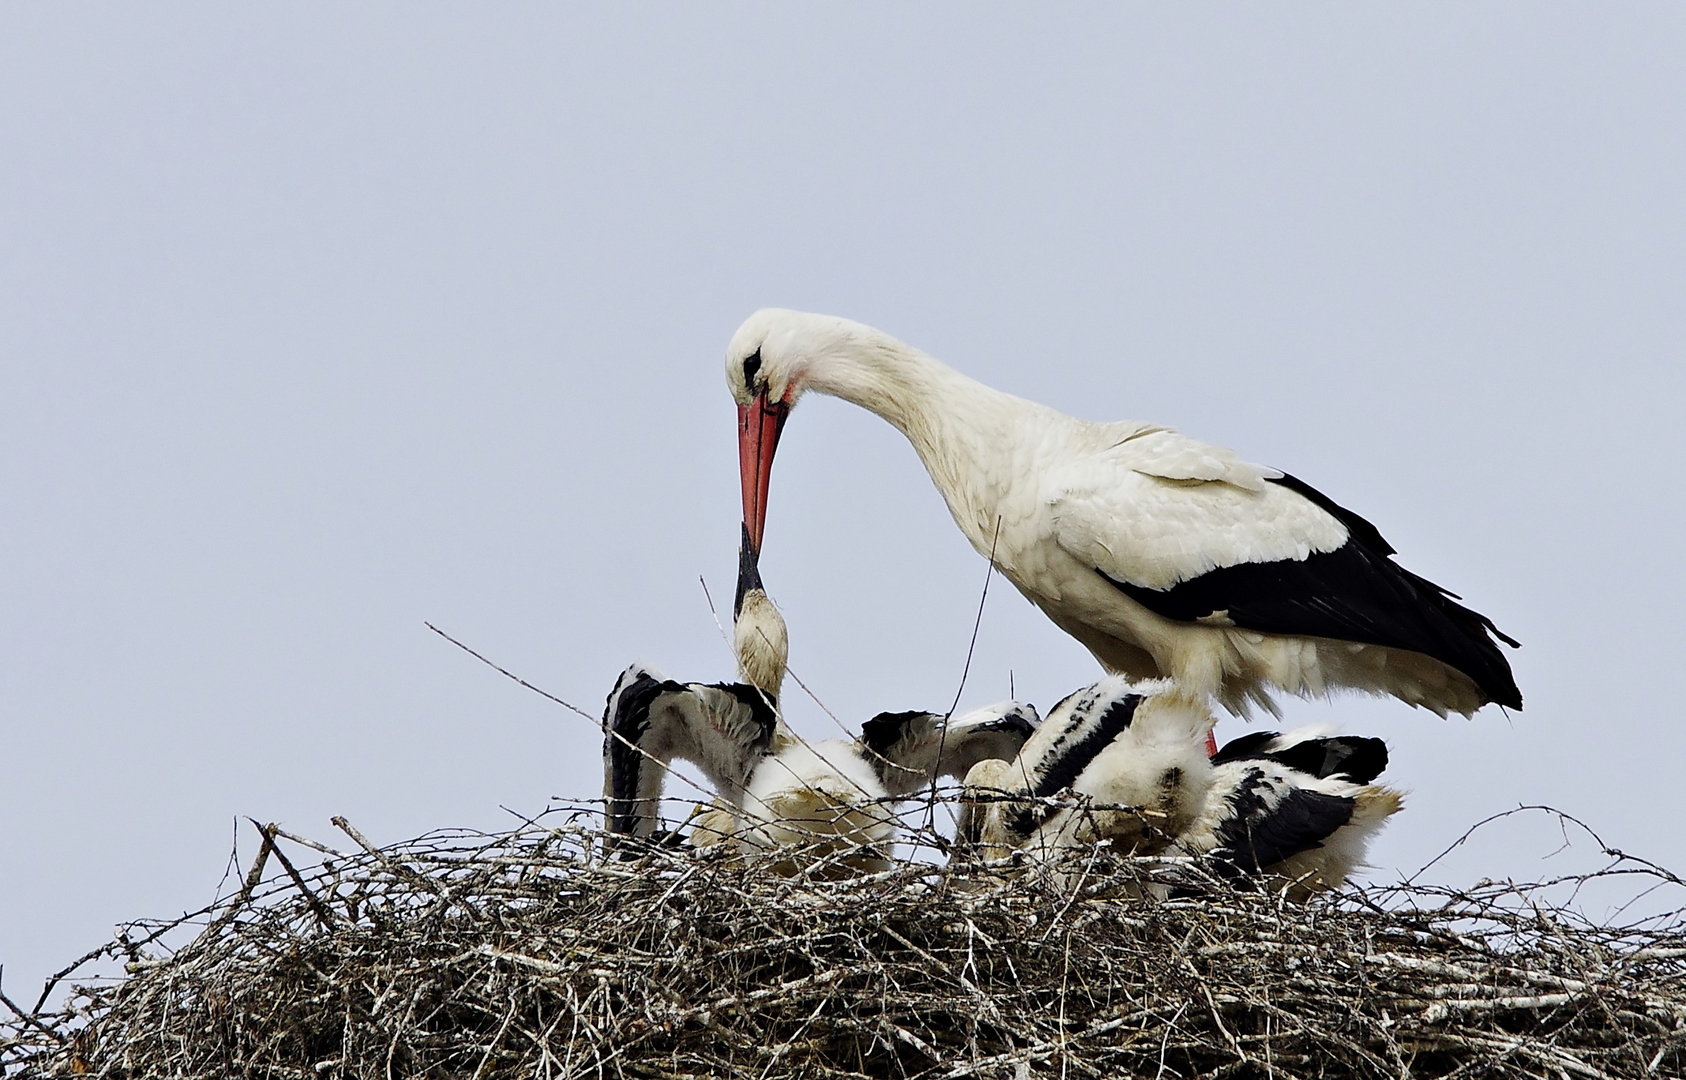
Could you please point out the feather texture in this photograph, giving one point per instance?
(1124, 763)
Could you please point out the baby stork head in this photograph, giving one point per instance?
(759, 638)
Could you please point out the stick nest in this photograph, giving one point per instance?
(531, 954)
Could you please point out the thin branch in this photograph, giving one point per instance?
(27, 1018)
(323, 915)
(971, 646)
(506, 673)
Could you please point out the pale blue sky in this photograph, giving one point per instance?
(318, 321)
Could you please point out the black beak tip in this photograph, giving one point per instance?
(749, 571)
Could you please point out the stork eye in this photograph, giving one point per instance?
(751, 366)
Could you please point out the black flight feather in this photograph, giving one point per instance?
(1354, 593)
(882, 732)
(761, 711)
(623, 731)
(1065, 764)
(1351, 757)
(625, 727)
(1260, 835)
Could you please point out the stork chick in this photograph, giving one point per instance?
(760, 640)
(1297, 810)
(1117, 761)
(800, 803)
(1124, 764)
(800, 792)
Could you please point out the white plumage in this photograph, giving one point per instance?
(1118, 762)
(1163, 555)
(1299, 809)
(821, 796)
(1124, 765)
(832, 798)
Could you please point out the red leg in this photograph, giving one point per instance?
(1211, 744)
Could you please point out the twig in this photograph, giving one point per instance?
(26, 1017)
(1501, 815)
(692, 963)
(323, 915)
(506, 673)
(971, 646)
(510, 674)
(400, 870)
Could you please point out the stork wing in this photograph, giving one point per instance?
(1190, 537)
(724, 729)
(1272, 814)
(1079, 727)
(1353, 758)
(996, 732)
(1160, 509)
(907, 748)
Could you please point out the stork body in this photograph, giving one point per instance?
(1162, 555)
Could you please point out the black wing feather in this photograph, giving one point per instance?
(626, 722)
(1260, 835)
(884, 731)
(1354, 593)
(1250, 745)
(761, 710)
(623, 735)
(1066, 761)
(1350, 757)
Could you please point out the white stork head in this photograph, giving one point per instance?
(769, 364)
(760, 640)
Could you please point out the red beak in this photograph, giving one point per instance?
(759, 425)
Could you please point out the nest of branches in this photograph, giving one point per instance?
(531, 953)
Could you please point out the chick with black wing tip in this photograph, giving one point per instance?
(1124, 764)
(796, 801)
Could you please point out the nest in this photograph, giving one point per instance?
(531, 953)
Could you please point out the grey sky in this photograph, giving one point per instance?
(320, 321)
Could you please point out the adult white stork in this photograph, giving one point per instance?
(1162, 555)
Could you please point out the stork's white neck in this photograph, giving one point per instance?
(967, 434)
